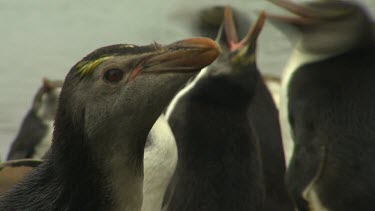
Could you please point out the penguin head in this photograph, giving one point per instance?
(117, 92)
(46, 99)
(233, 74)
(325, 26)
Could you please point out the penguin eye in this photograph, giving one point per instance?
(113, 75)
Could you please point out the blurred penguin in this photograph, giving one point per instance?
(328, 106)
(35, 135)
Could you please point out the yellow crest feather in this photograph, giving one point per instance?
(87, 67)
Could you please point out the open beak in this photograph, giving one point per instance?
(189, 55)
(253, 33)
(246, 46)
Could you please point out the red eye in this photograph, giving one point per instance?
(113, 75)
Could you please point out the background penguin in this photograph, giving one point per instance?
(35, 135)
(262, 114)
(107, 106)
(327, 105)
(219, 165)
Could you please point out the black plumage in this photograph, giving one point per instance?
(219, 165)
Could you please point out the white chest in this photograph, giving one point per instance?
(160, 160)
(296, 60)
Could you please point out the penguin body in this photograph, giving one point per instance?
(262, 115)
(326, 106)
(333, 117)
(96, 158)
(219, 165)
(35, 135)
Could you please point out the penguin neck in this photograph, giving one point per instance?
(184, 92)
(124, 163)
(109, 177)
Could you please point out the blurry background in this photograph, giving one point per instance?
(43, 38)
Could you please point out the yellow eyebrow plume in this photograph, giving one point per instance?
(87, 67)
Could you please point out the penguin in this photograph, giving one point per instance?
(107, 106)
(35, 138)
(219, 165)
(327, 105)
(12, 172)
(262, 115)
(35, 134)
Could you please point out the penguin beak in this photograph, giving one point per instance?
(246, 46)
(230, 29)
(190, 55)
(249, 41)
(307, 15)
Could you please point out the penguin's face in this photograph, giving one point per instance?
(324, 26)
(127, 86)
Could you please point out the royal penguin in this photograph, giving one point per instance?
(35, 138)
(219, 165)
(107, 106)
(327, 106)
(35, 134)
(262, 112)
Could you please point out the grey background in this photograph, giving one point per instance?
(43, 38)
